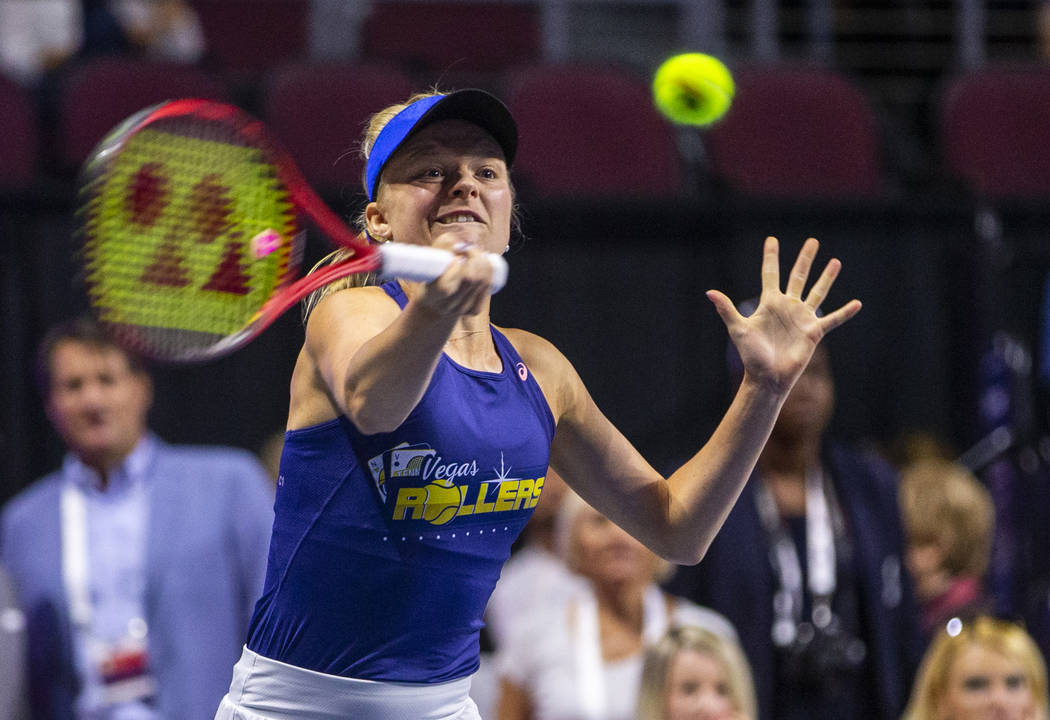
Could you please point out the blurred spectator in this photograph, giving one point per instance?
(335, 27)
(982, 668)
(1043, 28)
(13, 696)
(161, 29)
(948, 521)
(581, 657)
(37, 36)
(693, 674)
(808, 568)
(137, 563)
(914, 445)
(536, 573)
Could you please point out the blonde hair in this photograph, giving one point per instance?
(943, 503)
(1004, 638)
(652, 693)
(373, 127)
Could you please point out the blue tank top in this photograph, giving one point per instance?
(386, 547)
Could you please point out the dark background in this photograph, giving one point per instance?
(618, 284)
(620, 290)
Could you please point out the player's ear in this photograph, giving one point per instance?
(376, 221)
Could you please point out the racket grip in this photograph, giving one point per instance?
(423, 264)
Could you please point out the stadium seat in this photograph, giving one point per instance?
(19, 136)
(994, 125)
(247, 37)
(441, 38)
(319, 112)
(96, 95)
(591, 132)
(796, 132)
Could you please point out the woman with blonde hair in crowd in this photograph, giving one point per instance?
(579, 656)
(694, 674)
(982, 668)
(948, 519)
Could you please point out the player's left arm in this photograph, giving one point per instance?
(678, 517)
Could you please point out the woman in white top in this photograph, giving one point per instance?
(580, 658)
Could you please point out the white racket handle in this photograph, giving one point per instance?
(423, 264)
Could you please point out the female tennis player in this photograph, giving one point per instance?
(419, 435)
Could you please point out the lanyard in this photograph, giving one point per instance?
(75, 555)
(820, 559)
(587, 646)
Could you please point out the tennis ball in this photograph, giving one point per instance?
(442, 502)
(693, 89)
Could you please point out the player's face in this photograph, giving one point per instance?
(607, 554)
(986, 685)
(445, 186)
(697, 688)
(97, 402)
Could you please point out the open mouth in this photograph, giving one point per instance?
(457, 218)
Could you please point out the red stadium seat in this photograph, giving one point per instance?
(251, 36)
(797, 132)
(97, 95)
(456, 37)
(19, 137)
(593, 133)
(994, 125)
(319, 112)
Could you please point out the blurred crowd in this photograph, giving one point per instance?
(845, 583)
(842, 585)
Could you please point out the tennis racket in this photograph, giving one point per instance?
(190, 241)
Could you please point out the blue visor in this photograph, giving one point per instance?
(474, 106)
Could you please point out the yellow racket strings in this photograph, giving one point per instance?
(186, 235)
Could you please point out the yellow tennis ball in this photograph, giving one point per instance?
(442, 502)
(693, 89)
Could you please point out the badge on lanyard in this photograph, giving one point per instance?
(122, 665)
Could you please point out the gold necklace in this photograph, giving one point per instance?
(466, 334)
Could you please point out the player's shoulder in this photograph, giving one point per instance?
(350, 310)
(535, 350)
(555, 375)
(335, 303)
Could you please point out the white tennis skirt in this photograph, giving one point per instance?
(265, 689)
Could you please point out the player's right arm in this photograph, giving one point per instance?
(371, 361)
(366, 359)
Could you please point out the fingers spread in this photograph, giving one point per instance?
(725, 308)
(800, 271)
(832, 320)
(822, 286)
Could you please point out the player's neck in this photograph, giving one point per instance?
(470, 344)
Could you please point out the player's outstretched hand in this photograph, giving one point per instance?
(776, 342)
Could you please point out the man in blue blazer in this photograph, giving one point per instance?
(137, 563)
(808, 568)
